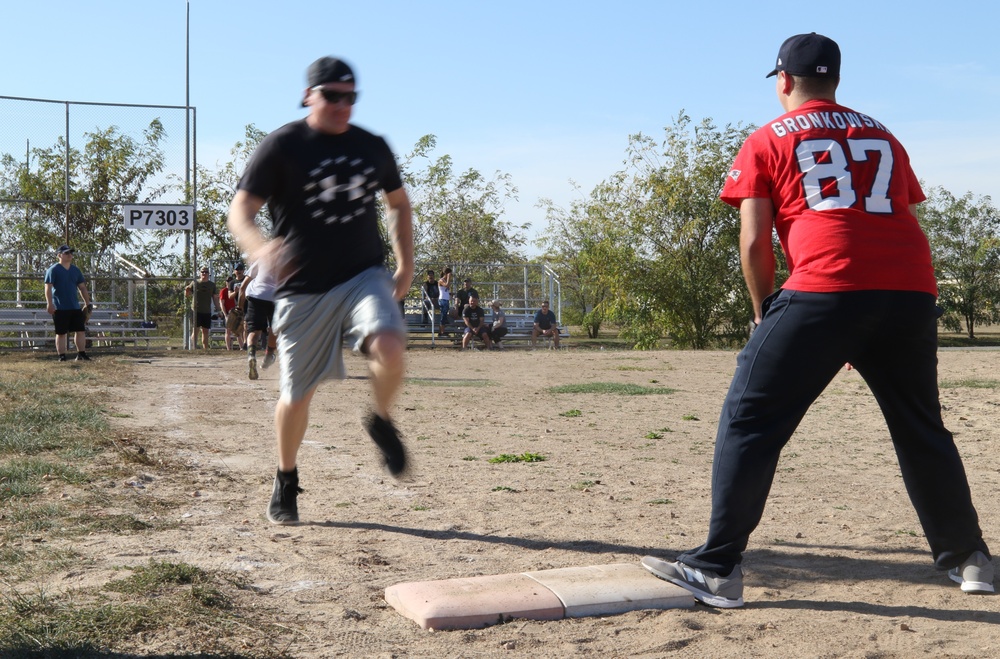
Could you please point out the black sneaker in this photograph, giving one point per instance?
(384, 434)
(284, 508)
(82, 357)
(62, 358)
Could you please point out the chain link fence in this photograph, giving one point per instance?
(67, 169)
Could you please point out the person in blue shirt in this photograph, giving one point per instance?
(62, 281)
(545, 325)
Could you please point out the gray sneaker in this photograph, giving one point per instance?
(706, 586)
(252, 367)
(268, 360)
(975, 574)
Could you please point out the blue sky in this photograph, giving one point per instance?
(547, 91)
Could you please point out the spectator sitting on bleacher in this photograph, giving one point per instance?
(475, 325)
(463, 295)
(545, 325)
(498, 328)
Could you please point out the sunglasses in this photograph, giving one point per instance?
(332, 96)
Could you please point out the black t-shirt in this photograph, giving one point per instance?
(321, 191)
(463, 295)
(475, 315)
(431, 288)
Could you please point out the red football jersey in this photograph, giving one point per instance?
(841, 185)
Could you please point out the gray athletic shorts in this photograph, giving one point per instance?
(313, 329)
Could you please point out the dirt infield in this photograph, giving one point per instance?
(839, 566)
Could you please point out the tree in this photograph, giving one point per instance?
(585, 244)
(458, 217)
(216, 188)
(964, 234)
(112, 169)
(669, 255)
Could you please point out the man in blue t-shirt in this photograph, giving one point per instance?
(62, 281)
(545, 325)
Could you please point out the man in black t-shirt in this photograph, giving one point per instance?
(463, 295)
(474, 316)
(320, 177)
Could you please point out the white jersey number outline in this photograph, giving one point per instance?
(813, 173)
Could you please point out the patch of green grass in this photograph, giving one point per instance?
(571, 413)
(610, 388)
(21, 477)
(153, 603)
(450, 382)
(583, 485)
(653, 435)
(690, 417)
(524, 457)
(633, 368)
(149, 578)
(660, 502)
(470, 458)
(420, 507)
(969, 383)
(503, 488)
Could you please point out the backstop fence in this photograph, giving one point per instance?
(69, 168)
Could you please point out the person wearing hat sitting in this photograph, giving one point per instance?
(498, 328)
(462, 297)
(62, 281)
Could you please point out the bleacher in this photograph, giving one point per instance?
(28, 325)
(520, 321)
(112, 282)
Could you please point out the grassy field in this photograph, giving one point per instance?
(58, 463)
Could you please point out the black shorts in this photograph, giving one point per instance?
(260, 314)
(68, 320)
(203, 320)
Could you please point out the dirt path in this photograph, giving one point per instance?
(839, 566)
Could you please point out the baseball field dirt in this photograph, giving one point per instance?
(526, 461)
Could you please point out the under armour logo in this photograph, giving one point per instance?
(354, 189)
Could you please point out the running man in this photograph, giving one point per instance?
(319, 177)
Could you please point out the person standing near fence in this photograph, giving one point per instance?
(204, 299)
(319, 177)
(444, 298)
(429, 296)
(62, 281)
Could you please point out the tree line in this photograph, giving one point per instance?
(650, 250)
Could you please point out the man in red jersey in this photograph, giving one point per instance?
(838, 189)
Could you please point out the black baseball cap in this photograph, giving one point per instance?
(328, 69)
(66, 249)
(809, 55)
